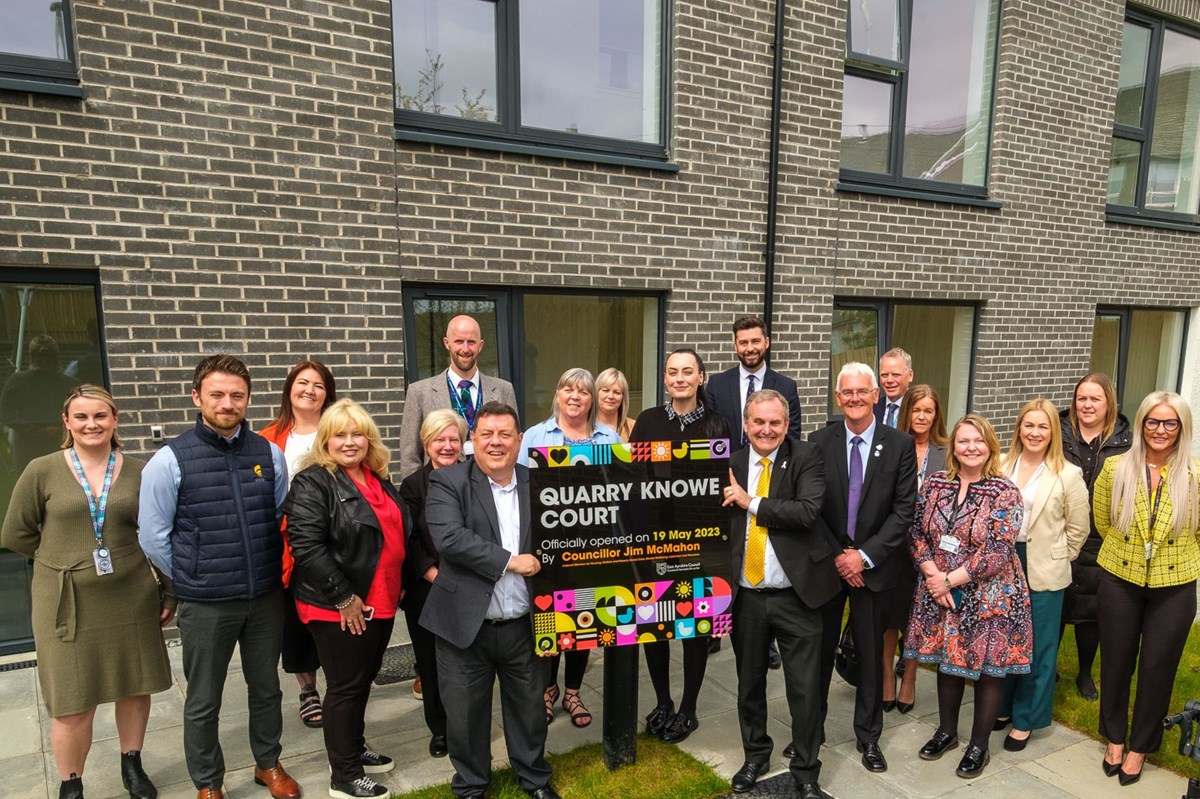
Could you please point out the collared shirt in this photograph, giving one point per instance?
(888, 405)
(773, 575)
(549, 434)
(694, 415)
(476, 388)
(510, 597)
(744, 383)
(160, 499)
(868, 437)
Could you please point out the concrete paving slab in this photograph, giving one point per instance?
(21, 731)
(1076, 771)
(25, 777)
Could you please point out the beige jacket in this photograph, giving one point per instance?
(1058, 526)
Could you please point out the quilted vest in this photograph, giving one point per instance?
(226, 542)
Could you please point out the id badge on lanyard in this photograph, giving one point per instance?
(101, 556)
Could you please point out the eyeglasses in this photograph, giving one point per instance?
(1170, 425)
(856, 392)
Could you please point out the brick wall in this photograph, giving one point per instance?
(230, 174)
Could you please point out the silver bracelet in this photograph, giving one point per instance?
(346, 604)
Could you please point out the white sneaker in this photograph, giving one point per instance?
(361, 787)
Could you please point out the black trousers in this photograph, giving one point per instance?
(299, 652)
(759, 616)
(424, 645)
(351, 663)
(577, 661)
(869, 611)
(1147, 628)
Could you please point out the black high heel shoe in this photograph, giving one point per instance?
(1111, 769)
(1125, 778)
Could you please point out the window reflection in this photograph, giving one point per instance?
(1131, 86)
(866, 125)
(34, 28)
(875, 28)
(592, 67)
(1173, 183)
(445, 57)
(1123, 172)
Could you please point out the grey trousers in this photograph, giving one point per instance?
(209, 631)
(467, 675)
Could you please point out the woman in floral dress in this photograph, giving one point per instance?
(971, 610)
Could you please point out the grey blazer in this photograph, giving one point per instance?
(465, 528)
(428, 395)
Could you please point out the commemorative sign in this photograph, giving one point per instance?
(633, 541)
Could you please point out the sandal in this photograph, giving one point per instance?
(575, 708)
(310, 707)
(550, 697)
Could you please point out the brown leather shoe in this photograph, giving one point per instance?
(277, 781)
(210, 793)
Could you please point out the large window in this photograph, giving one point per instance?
(532, 337)
(940, 339)
(588, 74)
(49, 342)
(1141, 349)
(1154, 170)
(36, 42)
(917, 102)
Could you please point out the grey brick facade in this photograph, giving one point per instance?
(233, 177)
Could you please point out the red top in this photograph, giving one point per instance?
(384, 593)
(278, 436)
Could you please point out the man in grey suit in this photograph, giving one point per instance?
(462, 388)
(783, 577)
(478, 607)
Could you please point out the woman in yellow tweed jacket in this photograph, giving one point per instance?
(1146, 505)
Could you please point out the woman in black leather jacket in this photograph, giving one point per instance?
(348, 537)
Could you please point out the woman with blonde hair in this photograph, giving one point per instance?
(348, 537)
(971, 611)
(612, 395)
(442, 435)
(1093, 430)
(1147, 509)
(97, 607)
(1054, 525)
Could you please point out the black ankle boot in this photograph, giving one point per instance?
(134, 777)
(71, 789)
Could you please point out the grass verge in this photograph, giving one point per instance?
(1079, 714)
(662, 771)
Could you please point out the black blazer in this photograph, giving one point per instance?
(465, 530)
(789, 512)
(724, 394)
(335, 536)
(421, 553)
(885, 510)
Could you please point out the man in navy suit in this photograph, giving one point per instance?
(870, 493)
(895, 376)
(728, 390)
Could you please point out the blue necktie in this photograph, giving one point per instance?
(856, 480)
(749, 391)
(890, 419)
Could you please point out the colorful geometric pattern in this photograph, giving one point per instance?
(637, 452)
(615, 615)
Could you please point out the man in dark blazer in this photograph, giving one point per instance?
(478, 607)
(895, 376)
(783, 576)
(463, 342)
(727, 391)
(872, 469)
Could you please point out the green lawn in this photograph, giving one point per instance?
(1084, 716)
(662, 771)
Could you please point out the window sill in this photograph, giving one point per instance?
(916, 194)
(543, 151)
(41, 86)
(1118, 218)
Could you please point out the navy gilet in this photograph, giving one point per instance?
(226, 542)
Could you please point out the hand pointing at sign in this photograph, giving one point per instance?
(735, 494)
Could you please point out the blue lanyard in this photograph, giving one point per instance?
(97, 508)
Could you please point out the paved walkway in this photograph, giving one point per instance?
(1057, 763)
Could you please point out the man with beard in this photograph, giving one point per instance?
(462, 388)
(728, 390)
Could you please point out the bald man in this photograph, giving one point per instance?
(462, 388)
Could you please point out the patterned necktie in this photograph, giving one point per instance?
(464, 398)
(890, 419)
(749, 391)
(856, 481)
(756, 544)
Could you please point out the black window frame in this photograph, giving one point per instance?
(882, 70)
(19, 72)
(1138, 214)
(885, 310)
(1125, 314)
(508, 135)
(510, 319)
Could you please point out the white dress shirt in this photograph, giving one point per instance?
(510, 597)
(743, 384)
(867, 436)
(773, 575)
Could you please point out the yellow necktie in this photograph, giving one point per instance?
(756, 545)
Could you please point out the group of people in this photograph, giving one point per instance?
(296, 543)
